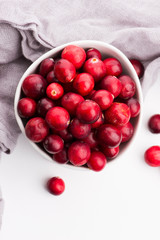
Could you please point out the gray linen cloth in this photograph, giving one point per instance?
(30, 28)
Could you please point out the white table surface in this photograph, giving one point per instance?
(121, 202)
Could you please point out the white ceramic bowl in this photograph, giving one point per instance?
(106, 50)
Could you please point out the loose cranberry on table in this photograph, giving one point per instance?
(62, 156)
(78, 129)
(127, 131)
(54, 91)
(110, 153)
(128, 87)
(152, 156)
(46, 66)
(93, 53)
(91, 140)
(26, 107)
(51, 77)
(57, 118)
(43, 105)
(112, 84)
(56, 185)
(36, 129)
(113, 66)
(64, 71)
(134, 106)
(83, 83)
(138, 66)
(104, 98)
(53, 144)
(34, 86)
(154, 123)
(97, 161)
(99, 121)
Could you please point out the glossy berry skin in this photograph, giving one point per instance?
(96, 68)
(36, 129)
(152, 156)
(54, 91)
(65, 134)
(110, 153)
(70, 102)
(88, 111)
(113, 66)
(118, 114)
(128, 87)
(103, 98)
(99, 121)
(79, 153)
(46, 66)
(127, 131)
(51, 77)
(26, 107)
(154, 123)
(134, 106)
(62, 156)
(93, 53)
(78, 129)
(83, 83)
(56, 186)
(57, 118)
(109, 135)
(138, 66)
(53, 144)
(97, 161)
(34, 86)
(75, 54)
(91, 140)
(43, 105)
(111, 84)
(64, 71)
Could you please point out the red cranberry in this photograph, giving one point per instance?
(154, 123)
(96, 68)
(56, 185)
(93, 53)
(79, 153)
(76, 55)
(111, 84)
(127, 131)
(57, 118)
(36, 129)
(110, 153)
(89, 96)
(70, 102)
(118, 114)
(152, 156)
(53, 144)
(103, 98)
(134, 106)
(54, 91)
(109, 135)
(66, 135)
(79, 130)
(88, 111)
(51, 77)
(46, 66)
(26, 107)
(128, 87)
(91, 140)
(64, 71)
(62, 156)
(34, 86)
(97, 161)
(113, 66)
(43, 105)
(138, 66)
(99, 121)
(83, 83)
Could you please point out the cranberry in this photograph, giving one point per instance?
(111, 84)
(56, 185)
(34, 86)
(83, 83)
(26, 107)
(57, 118)
(64, 71)
(113, 66)
(154, 123)
(89, 96)
(70, 102)
(128, 87)
(66, 135)
(53, 144)
(127, 131)
(46, 66)
(118, 114)
(62, 156)
(99, 121)
(109, 135)
(36, 129)
(76, 55)
(54, 91)
(97, 161)
(152, 156)
(103, 98)
(51, 77)
(134, 106)
(138, 66)
(96, 68)
(110, 153)
(79, 153)
(43, 105)
(91, 140)
(79, 130)
(88, 111)
(93, 53)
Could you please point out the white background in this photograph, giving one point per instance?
(121, 202)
